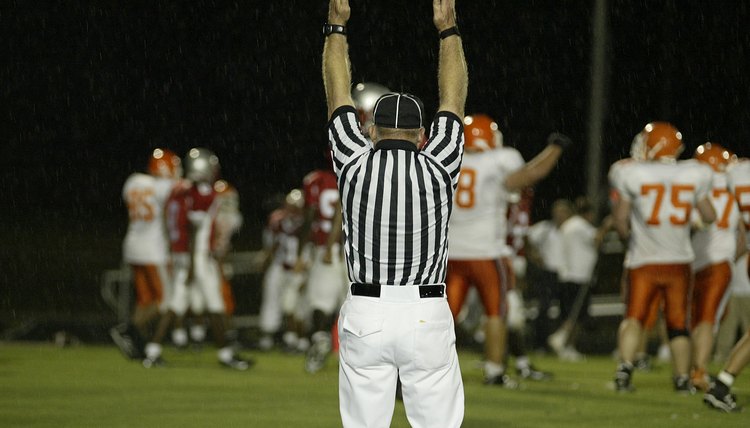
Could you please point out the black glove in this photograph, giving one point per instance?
(559, 139)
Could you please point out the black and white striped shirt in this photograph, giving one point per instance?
(396, 200)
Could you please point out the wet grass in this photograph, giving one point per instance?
(94, 386)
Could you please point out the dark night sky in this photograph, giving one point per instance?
(90, 88)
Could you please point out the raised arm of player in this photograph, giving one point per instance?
(706, 210)
(337, 75)
(541, 165)
(453, 76)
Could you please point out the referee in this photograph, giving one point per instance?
(397, 200)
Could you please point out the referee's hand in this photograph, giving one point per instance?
(444, 14)
(338, 12)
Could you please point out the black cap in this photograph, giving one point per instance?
(403, 111)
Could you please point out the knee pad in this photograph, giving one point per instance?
(672, 334)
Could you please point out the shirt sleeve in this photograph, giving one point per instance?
(345, 137)
(446, 142)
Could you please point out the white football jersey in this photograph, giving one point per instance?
(579, 255)
(718, 241)
(662, 196)
(546, 237)
(739, 183)
(146, 239)
(478, 222)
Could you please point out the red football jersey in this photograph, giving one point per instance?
(184, 205)
(321, 194)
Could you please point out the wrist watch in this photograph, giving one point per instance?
(329, 29)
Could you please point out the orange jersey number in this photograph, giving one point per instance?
(139, 205)
(465, 190)
(726, 209)
(682, 207)
(742, 194)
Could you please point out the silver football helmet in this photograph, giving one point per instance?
(201, 165)
(365, 95)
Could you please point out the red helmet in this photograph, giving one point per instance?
(481, 133)
(165, 163)
(657, 140)
(714, 155)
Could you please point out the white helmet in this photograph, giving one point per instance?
(365, 95)
(201, 165)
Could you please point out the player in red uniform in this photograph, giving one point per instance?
(326, 283)
(193, 212)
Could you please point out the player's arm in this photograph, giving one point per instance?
(621, 218)
(334, 237)
(337, 76)
(706, 210)
(541, 165)
(741, 240)
(453, 77)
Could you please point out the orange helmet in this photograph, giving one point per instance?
(481, 133)
(657, 140)
(164, 163)
(714, 155)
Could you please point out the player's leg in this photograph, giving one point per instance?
(720, 396)
(270, 316)
(490, 277)
(677, 280)
(709, 290)
(640, 291)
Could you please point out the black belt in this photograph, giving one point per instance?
(425, 291)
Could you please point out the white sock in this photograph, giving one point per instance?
(198, 333)
(225, 354)
(153, 350)
(523, 362)
(726, 378)
(493, 369)
(179, 337)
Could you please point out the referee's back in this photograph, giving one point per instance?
(396, 199)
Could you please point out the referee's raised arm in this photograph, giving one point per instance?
(452, 71)
(337, 76)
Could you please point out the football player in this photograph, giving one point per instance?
(656, 197)
(193, 212)
(477, 238)
(326, 283)
(145, 247)
(715, 249)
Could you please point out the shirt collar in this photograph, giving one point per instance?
(396, 144)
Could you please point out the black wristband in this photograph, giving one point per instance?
(329, 29)
(449, 32)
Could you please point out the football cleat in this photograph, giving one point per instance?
(501, 380)
(623, 378)
(125, 342)
(237, 363)
(700, 379)
(718, 397)
(316, 355)
(530, 372)
(157, 361)
(682, 385)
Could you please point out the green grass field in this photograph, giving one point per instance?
(94, 386)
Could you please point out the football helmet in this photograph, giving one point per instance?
(164, 163)
(481, 133)
(657, 140)
(201, 165)
(714, 155)
(295, 199)
(365, 95)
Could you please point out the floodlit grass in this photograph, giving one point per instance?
(94, 386)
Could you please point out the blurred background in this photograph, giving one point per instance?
(90, 88)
